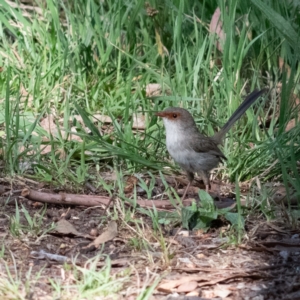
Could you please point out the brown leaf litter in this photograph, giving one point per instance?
(186, 263)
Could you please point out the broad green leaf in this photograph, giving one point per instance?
(234, 218)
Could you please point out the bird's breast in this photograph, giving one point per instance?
(186, 156)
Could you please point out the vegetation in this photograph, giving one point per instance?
(70, 63)
(99, 57)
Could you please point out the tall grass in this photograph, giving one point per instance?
(74, 58)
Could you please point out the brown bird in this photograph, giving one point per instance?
(193, 151)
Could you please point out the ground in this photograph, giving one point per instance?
(176, 263)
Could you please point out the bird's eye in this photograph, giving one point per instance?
(174, 116)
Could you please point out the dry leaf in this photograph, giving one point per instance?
(48, 124)
(222, 290)
(294, 98)
(25, 95)
(138, 121)
(284, 67)
(215, 26)
(208, 294)
(109, 176)
(255, 288)
(194, 293)
(110, 233)
(151, 11)
(130, 183)
(102, 118)
(168, 285)
(187, 287)
(65, 227)
(97, 117)
(153, 89)
(74, 137)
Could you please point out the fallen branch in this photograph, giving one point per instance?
(64, 198)
(90, 200)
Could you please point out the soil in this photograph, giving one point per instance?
(193, 265)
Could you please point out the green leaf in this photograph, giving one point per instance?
(194, 217)
(204, 220)
(186, 214)
(281, 24)
(87, 121)
(234, 218)
(207, 202)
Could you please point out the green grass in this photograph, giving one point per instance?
(71, 59)
(68, 61)
(87, 282)
(76, 59)
(33, 226)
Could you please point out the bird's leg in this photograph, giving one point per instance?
(185, 191)
(190, 176)
(206, 188)
(205, 178)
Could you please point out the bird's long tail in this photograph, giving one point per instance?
(250, 99)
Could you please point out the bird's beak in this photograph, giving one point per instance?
(161, 114)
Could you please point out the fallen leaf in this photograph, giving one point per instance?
(187, 287)
(207, 294)
(222, 290)
(151, 11)
(109, 176)
(46, 149)
(138, 121)
(155, 89)
(194, 293)
(215, 26)
(168, 285)
(110, 233)
(200, 256)
(255, 288)
(131, 182)
(49, 125)
(284, 67)
(103, 118)
(73, 135)
(240, 285)
(96, 117)
(64, 227)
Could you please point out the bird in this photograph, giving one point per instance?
(193, 151)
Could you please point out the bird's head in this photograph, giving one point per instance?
(176, 118)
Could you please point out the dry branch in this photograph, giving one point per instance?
(64, 198)
(89, 200)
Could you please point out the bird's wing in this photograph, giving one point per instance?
(204, 144)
